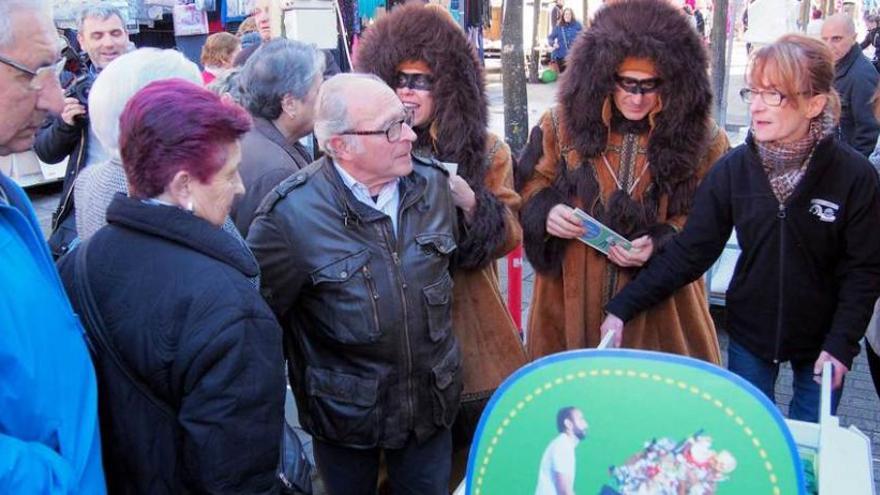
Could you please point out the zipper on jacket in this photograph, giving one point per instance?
(780, 215)
(374, 295)
(401, 285)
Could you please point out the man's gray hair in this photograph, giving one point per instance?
(227, 83)
(10, 7)
(331, 114)
(278, 68)
(99, 10)
(845, 19)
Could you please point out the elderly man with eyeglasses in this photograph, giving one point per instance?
(355, 252)
(49, 440)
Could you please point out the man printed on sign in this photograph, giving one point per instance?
(558, 467)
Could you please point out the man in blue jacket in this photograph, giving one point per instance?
(855, 79)
(49, 437)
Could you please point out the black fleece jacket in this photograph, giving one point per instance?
(809, 271)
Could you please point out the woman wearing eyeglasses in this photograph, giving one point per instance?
(627, 143)
(426, 57)
(806, 210)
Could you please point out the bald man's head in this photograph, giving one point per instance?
(346, 100)
(839, 33)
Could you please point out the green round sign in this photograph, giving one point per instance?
(623, 421)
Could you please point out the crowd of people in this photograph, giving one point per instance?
(338, 234)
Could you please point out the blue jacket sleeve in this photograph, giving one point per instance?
(553, 36)
(31, 467)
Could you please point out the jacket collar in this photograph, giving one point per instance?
(182, 227)
(412, 188)
(270, 132)
(844, 65)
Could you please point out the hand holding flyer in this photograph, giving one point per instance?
(598, 235)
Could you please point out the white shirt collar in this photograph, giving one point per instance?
(387, 201)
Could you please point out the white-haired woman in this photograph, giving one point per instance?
(125, 76)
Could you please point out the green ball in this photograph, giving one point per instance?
(549, 76)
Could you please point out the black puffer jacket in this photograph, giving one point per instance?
(366, 312)
(174, 294)
(809, 271)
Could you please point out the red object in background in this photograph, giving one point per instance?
(215, 24)
(514, 285)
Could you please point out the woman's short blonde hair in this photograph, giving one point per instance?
(248, 25)
(797, 66)
(219, 48)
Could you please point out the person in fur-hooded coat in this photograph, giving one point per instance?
(628, 142)
(426, 57)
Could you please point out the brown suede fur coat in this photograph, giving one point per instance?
(563, 164)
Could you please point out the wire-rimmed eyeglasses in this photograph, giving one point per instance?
(392, 133)
(39, 77)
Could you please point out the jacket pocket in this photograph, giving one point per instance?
(446, 388)
(346, 302)
(342, 407)
(436, 244)
(438, 306)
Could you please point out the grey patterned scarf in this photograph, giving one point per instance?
(786, 163)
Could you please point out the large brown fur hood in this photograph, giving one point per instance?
(459, 130)
(413, 32)
(645, 29)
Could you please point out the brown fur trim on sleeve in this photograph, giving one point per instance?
(524, 166)
(660, 233)
(485, 236)
(545, 252)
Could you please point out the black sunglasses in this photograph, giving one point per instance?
(418, 81)
(638, 86)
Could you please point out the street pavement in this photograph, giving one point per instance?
(859, 407)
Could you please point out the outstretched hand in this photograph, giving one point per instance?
(612, 324)
(838, 370)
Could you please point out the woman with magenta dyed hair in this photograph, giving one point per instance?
(188, 355)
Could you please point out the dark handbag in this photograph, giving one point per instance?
(294, 469)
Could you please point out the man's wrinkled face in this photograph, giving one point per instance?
(103, 39)
(26, 102)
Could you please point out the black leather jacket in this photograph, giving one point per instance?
(366, 313)
(55, 141)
